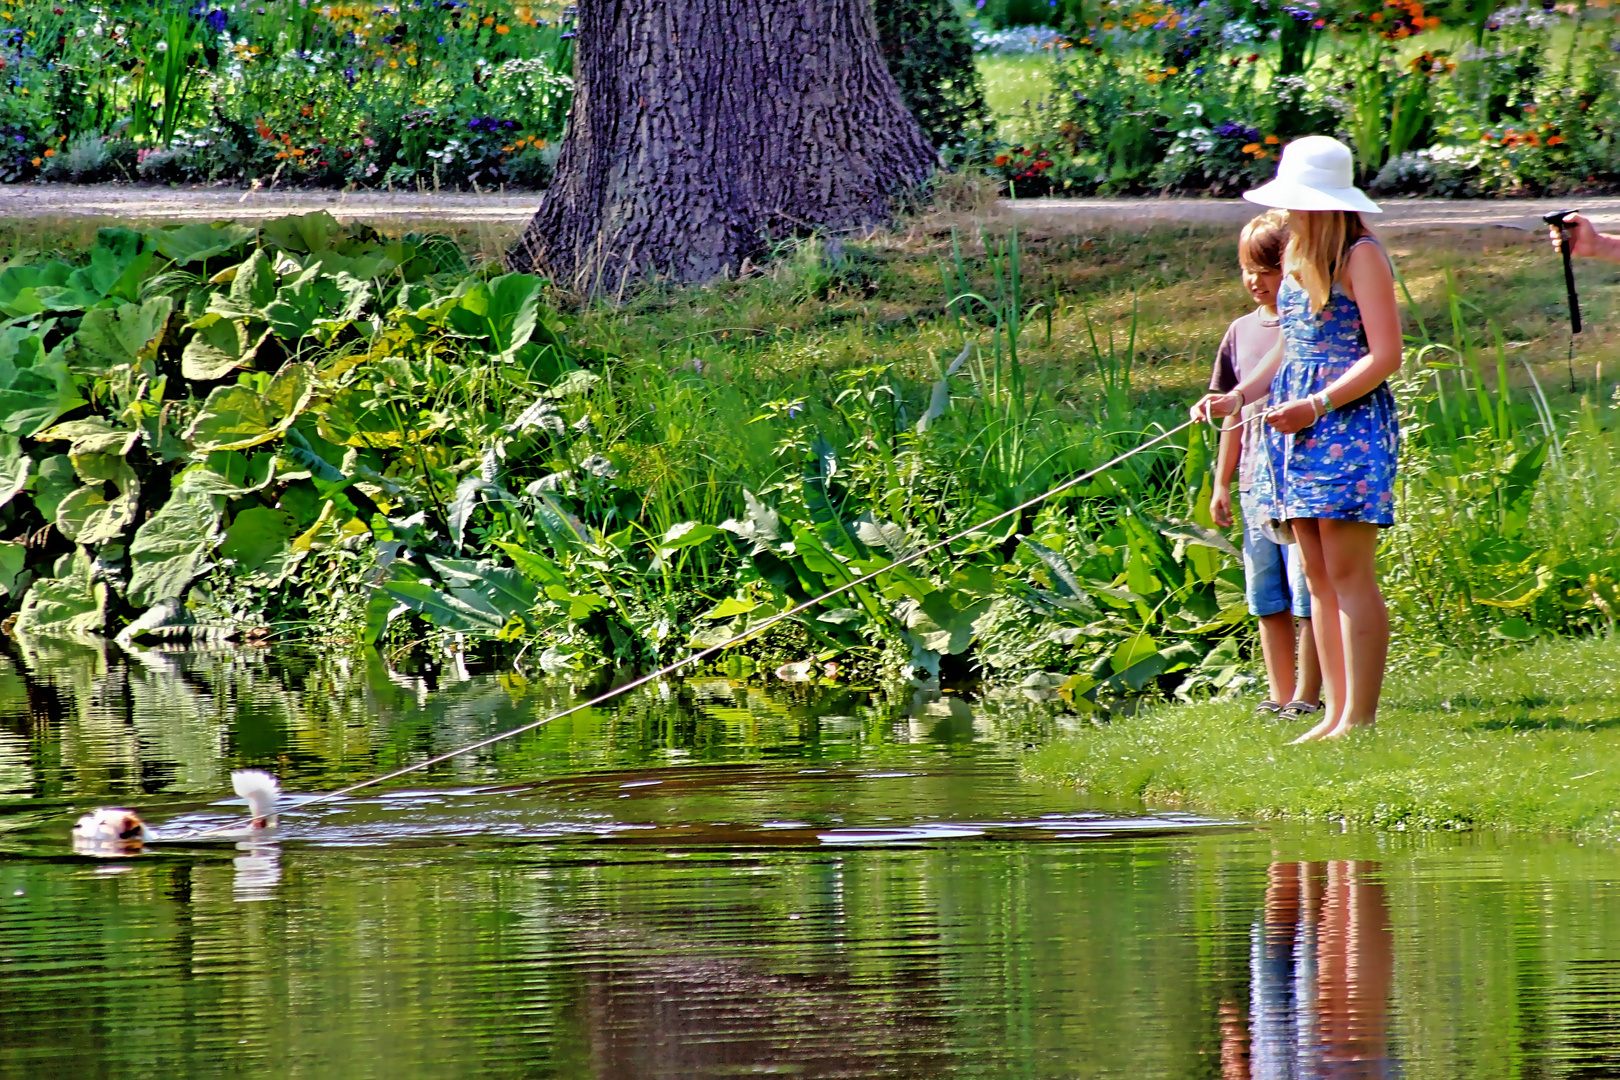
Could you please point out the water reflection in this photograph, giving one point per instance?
(714, 880)
(258, 870)
(1321, 970)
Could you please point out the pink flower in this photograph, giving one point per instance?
(1335, 451)
(1361, 487)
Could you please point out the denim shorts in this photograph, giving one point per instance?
(1273, 573)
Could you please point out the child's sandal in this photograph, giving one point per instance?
(1267, 708)
(1298, 710)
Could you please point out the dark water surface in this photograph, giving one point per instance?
(715, 881)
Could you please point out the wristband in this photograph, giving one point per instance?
(1327, 403)
(1317, 411)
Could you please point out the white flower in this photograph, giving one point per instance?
(163, 46)
(79, 32)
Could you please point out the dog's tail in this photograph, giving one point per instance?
(260, 790)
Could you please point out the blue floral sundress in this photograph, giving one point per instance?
(1343, 466)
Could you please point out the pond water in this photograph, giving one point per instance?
(720, 881)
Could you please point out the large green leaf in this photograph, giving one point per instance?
(52, 483)
(255, 535)
(505, 310)
(235, 418)
(20, 285)
(316, 300)
(253, 286)
(304, 233)
(35, 387)
(533, 565)
(443, 610)
(500, 587)
(218, 346)
(187, 244)
(171, 549)
(943, 622)
(14, 576)
(114, 337)
(16, 468)
(72, 602)
(88, 515)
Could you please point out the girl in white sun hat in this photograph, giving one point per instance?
(1334, 435)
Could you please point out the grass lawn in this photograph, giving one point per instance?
(1014, 85)
(1528, 740)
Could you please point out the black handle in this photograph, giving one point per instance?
(1558, 219)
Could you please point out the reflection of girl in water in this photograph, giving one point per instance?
(1321, 963)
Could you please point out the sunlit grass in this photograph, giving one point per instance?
(1527, 740)
(1013, 88)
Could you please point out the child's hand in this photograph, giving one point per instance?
(1212, 405)
(1584, 238)
(1220, 506)
(1292, 416)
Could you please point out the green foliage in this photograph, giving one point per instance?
(928, 51)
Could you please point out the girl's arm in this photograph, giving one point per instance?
(1372, 285)
(1252, 389)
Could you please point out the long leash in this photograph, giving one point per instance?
(696, 657)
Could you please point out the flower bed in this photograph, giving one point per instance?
(435, 93)
(1150, 97)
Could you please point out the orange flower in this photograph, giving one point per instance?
(1377, 16)
(503, 29)
(36, 161)
(1002, 159)
(1271, 140)
(50, 153)
(1555, 140)
(297, 153)
(1252, 148)
(489, 20)
(1171, 70)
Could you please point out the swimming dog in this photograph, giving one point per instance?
(112, 831)
(115, 831)
(261, 791)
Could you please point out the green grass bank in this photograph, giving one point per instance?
(1529, 740)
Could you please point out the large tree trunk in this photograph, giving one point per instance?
(702, 127)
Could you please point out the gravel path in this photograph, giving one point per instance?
(207, 204)
(211, 204)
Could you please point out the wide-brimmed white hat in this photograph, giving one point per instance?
(1315, 173)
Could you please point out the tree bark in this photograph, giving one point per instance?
(702, 128)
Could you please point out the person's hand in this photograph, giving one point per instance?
(1211, 406)
(1220, 506)
(1584, 239)
(1292, 416)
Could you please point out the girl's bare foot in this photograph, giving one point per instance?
(1323, 730)
(1345, 727)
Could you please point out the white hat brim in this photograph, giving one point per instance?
(1291, 195)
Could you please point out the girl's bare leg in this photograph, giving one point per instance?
(1349, 550)
(1308, 686)
(1325, 623)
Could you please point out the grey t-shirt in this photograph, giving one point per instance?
(1248, 341)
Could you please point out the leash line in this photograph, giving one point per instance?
(696, 657)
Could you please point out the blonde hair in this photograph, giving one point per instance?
(1318, 248)
(1260, 245)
